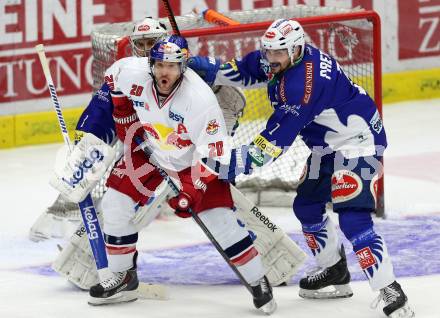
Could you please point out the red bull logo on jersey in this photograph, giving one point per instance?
(166, 137)
(212, 127)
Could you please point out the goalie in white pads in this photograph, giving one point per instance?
(63, 216)
(183, 123)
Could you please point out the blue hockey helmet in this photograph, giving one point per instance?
(172, 48)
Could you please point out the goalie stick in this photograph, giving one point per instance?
(88, 212)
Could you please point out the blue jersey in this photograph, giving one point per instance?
(97, 117)
(314, 99)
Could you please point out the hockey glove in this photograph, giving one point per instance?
(125, 117)
(190, 194)
(206, 67)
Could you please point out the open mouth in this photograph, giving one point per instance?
(164, 81)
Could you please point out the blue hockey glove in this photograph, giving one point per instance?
(206, 67)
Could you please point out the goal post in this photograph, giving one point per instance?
(351, 36)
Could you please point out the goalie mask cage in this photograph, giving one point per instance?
(352, 37)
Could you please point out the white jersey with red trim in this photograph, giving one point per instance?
(187, 126)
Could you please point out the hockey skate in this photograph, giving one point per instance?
(120, 288)
(263, 298)
(395, 300)
(319, 284)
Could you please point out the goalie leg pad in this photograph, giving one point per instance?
(281, 256)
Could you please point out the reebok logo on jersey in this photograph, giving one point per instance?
(365, 258)
(308, 83)
(346, 185)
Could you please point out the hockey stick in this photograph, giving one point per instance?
(194, 215)
(88, 212)
(171, 17)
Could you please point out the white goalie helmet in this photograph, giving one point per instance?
(145, 34)
(284, 34)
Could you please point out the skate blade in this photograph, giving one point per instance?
(269, 308)
(340, 291)
(121, 297)
(153, 291)
(403, 312)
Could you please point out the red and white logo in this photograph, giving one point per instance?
(144, 27)
(212, 127)
(346, 185)
(365, 258)
(311, 242)
(286, 29)
(270, 34)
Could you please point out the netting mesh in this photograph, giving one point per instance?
(349, 41)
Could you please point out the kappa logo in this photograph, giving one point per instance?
(346, 185)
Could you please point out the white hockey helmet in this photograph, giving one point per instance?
(284, 34)
(148, 28)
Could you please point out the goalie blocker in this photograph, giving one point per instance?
(280, 255)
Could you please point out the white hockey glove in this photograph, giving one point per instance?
(83, 168)
(281, 256)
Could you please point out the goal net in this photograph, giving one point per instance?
(351, 36)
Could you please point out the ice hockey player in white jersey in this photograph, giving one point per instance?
(173, 111)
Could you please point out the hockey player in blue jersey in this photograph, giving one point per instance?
(312, 97)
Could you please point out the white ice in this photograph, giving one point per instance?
(412, 187)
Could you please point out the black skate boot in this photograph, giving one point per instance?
(336, 276)
(263, 298)
(396, 302)
(120, 288)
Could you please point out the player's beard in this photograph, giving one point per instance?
(165, 85)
